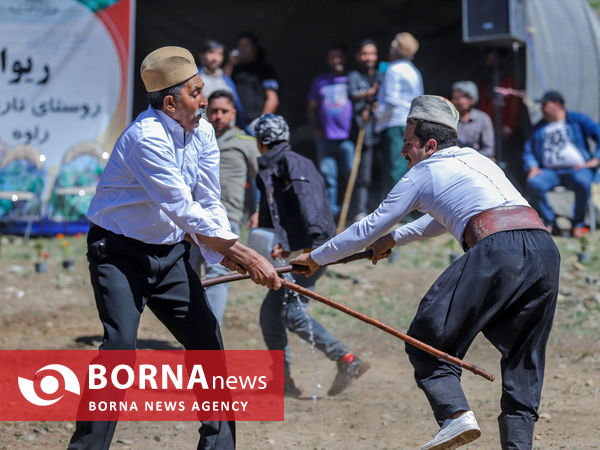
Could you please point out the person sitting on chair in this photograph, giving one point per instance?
(557, 154)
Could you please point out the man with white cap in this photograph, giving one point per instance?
(505, 285)
(401, 83)
(475, 128)
(161, 186)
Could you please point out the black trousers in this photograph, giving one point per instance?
(127, 275)
(506, 287)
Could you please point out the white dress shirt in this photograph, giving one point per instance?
(401, 83)
(161, 183)
(449, 187)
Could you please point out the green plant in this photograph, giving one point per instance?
(39, 248)
(584, 241)
(65, 248)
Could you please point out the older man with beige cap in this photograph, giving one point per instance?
(401, 83)
(160, 187)
(505, 285)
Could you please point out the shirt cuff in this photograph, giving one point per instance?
(211, 256)
(318, 256)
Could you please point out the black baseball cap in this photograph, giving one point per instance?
(552, 96)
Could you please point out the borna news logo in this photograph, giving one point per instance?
(141, 385)
(49, 385)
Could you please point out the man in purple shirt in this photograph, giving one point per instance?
(330, 114)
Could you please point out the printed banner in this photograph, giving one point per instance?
(141, 385)
(65, 74)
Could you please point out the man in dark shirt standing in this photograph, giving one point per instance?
(255, 80)
(362, 89)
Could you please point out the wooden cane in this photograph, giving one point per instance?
(376, 323)
(284, 269)
(351, 180)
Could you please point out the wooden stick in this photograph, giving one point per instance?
(376, 323)
(285, 269)
(351, 180)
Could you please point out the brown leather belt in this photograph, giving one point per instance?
(503, 218)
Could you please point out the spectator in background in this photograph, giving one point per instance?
(557, 153)
(211, 58)
(401, 83)
(301, 219)
(362, 89)
(475, 129)
(255, 79)
(238, 159)
(330, 114)
(510, 105)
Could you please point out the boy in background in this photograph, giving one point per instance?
(295, 204)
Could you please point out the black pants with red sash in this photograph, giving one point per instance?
(505, 287)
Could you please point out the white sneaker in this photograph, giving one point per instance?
(455, 433)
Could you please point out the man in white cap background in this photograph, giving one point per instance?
(505, 285)
(161, 185)
(401, 83)
(475, 128)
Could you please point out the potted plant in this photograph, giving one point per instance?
(583, 256)
(67, 261)
(41, 265)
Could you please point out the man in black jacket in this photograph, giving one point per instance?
(294, 203)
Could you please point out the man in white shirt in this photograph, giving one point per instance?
(402, 82)
(161, 185)
(505, 285)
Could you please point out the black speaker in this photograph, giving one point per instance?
(496, 22)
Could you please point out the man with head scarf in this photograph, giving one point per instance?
(294, 204)
(161, 186)
(505, 285)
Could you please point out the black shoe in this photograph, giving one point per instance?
(290, 389)
(347, 371)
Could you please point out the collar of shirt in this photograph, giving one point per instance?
(175, 129)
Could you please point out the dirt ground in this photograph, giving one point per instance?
(382, 410)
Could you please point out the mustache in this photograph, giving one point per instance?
(199, 112)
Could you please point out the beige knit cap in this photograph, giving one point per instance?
(405, 44)
(166, 67)
(433, 108)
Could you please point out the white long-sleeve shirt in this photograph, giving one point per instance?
(401, 83)
(449, 187)
(161, 183)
